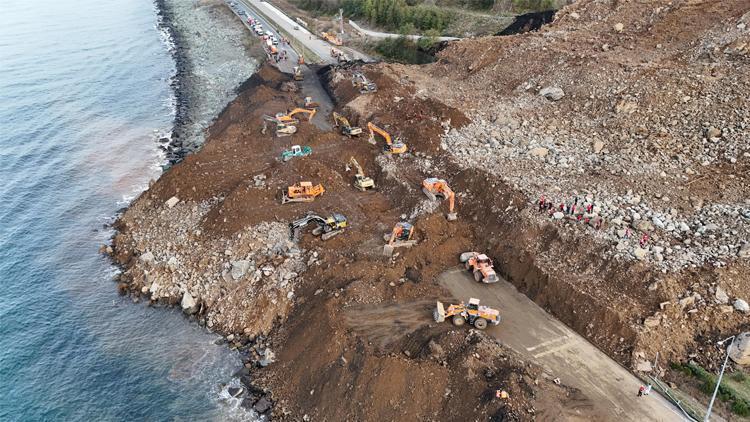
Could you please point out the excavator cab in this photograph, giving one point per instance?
(401, 236)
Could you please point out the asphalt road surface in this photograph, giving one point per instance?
(532, 332)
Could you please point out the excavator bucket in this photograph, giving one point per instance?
(439, 313)
(452, 216)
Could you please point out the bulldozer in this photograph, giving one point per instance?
(298, 76)
(361, 181)
(401, 236)
(289, 117)
(473, 313)
(392, 146)
(295, 151)
(480, 265)
(331, 38)
(434, 188)
(302, 192)
(346, 128)
(326, 227)
(364, 85)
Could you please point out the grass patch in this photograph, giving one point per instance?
(733, 389)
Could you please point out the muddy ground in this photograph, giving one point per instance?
(350, 330)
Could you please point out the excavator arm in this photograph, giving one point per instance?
(354, 163)
(310, 112)
(392, 147)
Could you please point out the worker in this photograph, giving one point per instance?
(641, 389)
(644, 240)
(541, 203)
(648, 390)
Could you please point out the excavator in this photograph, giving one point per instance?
(332, 39)
(302, 192)
(434, 188)
(364, 85)
(282, 129)
(392, 146)
(327, 227)
(401, 237)
(472, 312)
(289, 117)
(361, 181)
(298, 74)
(346, 128)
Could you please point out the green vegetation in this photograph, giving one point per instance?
(404, 50)
(534, 5)
(390, 15)
(733, 388)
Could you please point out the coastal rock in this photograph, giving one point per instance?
(263, 405)
(188, 304)
(269, 357)
(171, 202)
(235, 391)
(552, 93)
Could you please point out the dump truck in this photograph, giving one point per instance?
(473, 313)
(302, 192)
(326, 227)
(295, 151)
(480, 265)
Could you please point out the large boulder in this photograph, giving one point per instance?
(171, 202)
(240, 268)
(741, 306)
(189, 304)
(739, 350)
(552, 93)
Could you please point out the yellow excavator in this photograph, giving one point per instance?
(332, 39)
(346, 128)
(361, 181)
(282, 129)
(289, 117)
(401, 236)
(392, 146)
(436, 188)
(302, 192)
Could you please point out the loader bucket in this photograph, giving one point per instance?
(452, 216)
(439, 312)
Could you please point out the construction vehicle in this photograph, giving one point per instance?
(289, 117)
(296, 151)
(401, 236)
(480, 265)
(346, 128)
(326, 227)
(392, 146)
(302, 192)
(282, 129)
(477, 315)
(438, 188)
(361, 181)
(298, 74)
(331, 38)
(309, 103)
(364, 85)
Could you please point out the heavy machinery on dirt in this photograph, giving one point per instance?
(289, 117)
(480, 265)
(302, 192)
(309, 103)
(331, 38)
(298, 76)
(361, 181)
(364, 85)
(326, 227)
(346, 128)
(392, 146)
(401, 237)
(295, 151)
(473, 313)
(438, 188)
(282, 129)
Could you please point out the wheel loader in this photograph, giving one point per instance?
(302, 192)
(473, 313)
(436, 188)
(480, 265)
(326, 227)
(361, 181)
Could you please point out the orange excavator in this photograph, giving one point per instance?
(331, 38)
(392, 146)
(401, 236)
(434, 188)
(302, 192)
(289, 117)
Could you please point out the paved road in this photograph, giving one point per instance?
(532, 332)
(384, 35)
(300, 36)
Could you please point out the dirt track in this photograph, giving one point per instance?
(536, 335)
